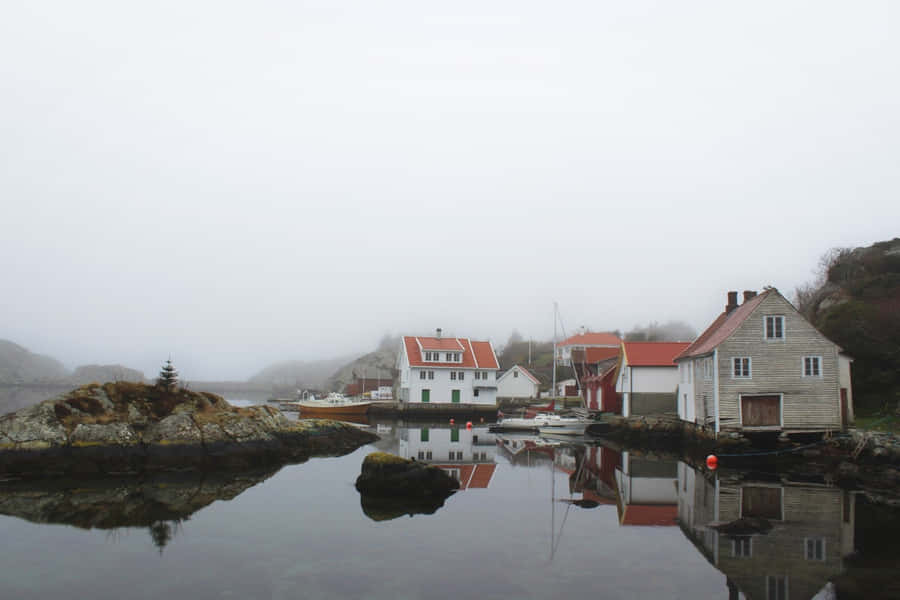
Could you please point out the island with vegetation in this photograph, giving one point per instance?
(131, 428)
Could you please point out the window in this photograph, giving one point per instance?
(421, 374)
(776, 587)
(812, 366)
(740, 367)
(428, 356)
(452, 375)
(742, 547)
(515, 373)
(487, 375)
(449, 357)
(428, 455)
(707, 368)
(462, 375)
(475, 393)
(477, 375)
(774, 327)
(430, 374)
(814, 548)
(421, 455)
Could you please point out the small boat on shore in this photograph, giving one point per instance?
(549, 422)
(332, 406)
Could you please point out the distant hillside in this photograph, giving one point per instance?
(18, 365)
(301, 374)
(104, 374)
(856, 303)
(378, 364)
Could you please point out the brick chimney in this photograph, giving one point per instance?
(748, 294)
(438, 330)
(732, 302)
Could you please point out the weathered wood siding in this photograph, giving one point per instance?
(704, 391)
(813, 513)
(777, 368)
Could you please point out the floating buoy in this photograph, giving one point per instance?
(712, 461)
(468, 424)
(452, 421)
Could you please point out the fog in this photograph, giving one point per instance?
(236, 183)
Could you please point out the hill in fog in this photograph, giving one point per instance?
(18, 365)
(301, 374)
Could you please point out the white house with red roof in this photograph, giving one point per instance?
(761, 366)
(648, 377)
(447, 370)
(582, 342)
(518, 382)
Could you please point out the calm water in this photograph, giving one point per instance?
(535, 519)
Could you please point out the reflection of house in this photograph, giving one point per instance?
(443, 370)
(468, 454)
(646, 491)
(648, 377)
(518, 382)
(812, 530)
(761, 366)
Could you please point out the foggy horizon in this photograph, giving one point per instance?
(239, 185)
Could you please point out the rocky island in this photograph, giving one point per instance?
(131, 428)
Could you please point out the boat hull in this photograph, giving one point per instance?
(356, 409)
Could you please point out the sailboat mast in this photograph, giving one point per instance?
(555, 309)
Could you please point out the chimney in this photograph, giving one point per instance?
(438, 333)
(732, 302)
(749, 294)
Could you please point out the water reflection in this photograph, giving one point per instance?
(160, 503)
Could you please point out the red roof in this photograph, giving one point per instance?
(433, 343)
(653, 354)
(481, 478)
(650, 514)
(475, 355)
(724, 325)
(595, 355)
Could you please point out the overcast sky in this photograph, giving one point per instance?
(236, 183)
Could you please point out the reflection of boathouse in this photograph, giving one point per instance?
(811, 532)
(468, 454)
(646, 491)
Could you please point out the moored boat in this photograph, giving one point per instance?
(334, 405)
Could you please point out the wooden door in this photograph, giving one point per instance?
(762, 502)
(454, 396)
(426, 395)
(760, 411)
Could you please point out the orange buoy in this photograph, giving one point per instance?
(452, 421)
(712, 461)
(468, 424)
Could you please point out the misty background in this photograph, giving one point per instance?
(236, 184)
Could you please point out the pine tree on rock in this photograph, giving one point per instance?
(168, 376)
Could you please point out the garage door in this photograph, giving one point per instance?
(760, 411)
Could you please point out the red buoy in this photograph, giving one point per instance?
(712, 461)
(452, 421)
(468, 424)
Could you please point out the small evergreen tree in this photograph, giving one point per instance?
(168, 376)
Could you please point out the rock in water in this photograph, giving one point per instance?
(129, 428)
(388, 475)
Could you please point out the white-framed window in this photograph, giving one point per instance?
(462, 375)
(742, 547)
(477, 375)
(776, 587)
(430, 374)
(515, 374)
(708, 368)
(452, 375)
(449, 357)
(422, 375)
(428, 455)
(814, 548)
(740, 367)
(812, 366)
(774, 327)
(421, 455)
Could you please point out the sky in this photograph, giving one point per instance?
(238, 183)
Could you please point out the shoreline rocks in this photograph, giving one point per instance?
(129, 428)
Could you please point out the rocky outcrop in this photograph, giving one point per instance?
(132, 428)
(384, 474)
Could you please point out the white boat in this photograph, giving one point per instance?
(332, 405)
(565, 426)
(549, 421)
